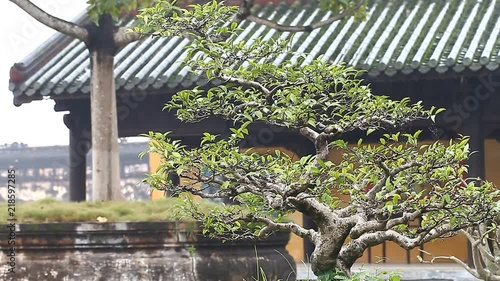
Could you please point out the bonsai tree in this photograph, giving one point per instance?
(369, 196)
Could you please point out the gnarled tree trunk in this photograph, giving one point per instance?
(325, 257)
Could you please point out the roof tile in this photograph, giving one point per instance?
(398, 36)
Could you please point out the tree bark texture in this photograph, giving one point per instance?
(325, 257)
(100, 40)
(105, 154)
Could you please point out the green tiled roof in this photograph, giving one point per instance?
(405, 37)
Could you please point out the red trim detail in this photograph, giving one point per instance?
(16, 75)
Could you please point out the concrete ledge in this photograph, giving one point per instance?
(409, 272)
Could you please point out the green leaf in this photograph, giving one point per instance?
(398, 278)
(395, 198)
(389, 207)
(439, 110)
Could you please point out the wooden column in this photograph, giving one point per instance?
(79, 145)
(474, 128)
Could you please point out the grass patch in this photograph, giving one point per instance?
(51, 210)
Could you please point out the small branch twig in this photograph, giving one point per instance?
(51, 21)
(124, 36)
(245, 13)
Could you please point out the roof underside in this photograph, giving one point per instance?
(404, 37)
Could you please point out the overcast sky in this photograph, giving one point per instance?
(35, 123)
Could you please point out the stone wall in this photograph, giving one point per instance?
(138, 251)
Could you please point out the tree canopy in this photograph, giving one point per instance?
(103, 37)
(369, 196)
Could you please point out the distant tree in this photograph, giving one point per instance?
(103, 38)
(14, 145)
(369, 197)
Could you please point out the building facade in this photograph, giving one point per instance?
(44, 172)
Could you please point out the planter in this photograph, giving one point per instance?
(137, 251)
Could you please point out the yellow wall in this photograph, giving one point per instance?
(492, 161)
(154, 162)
